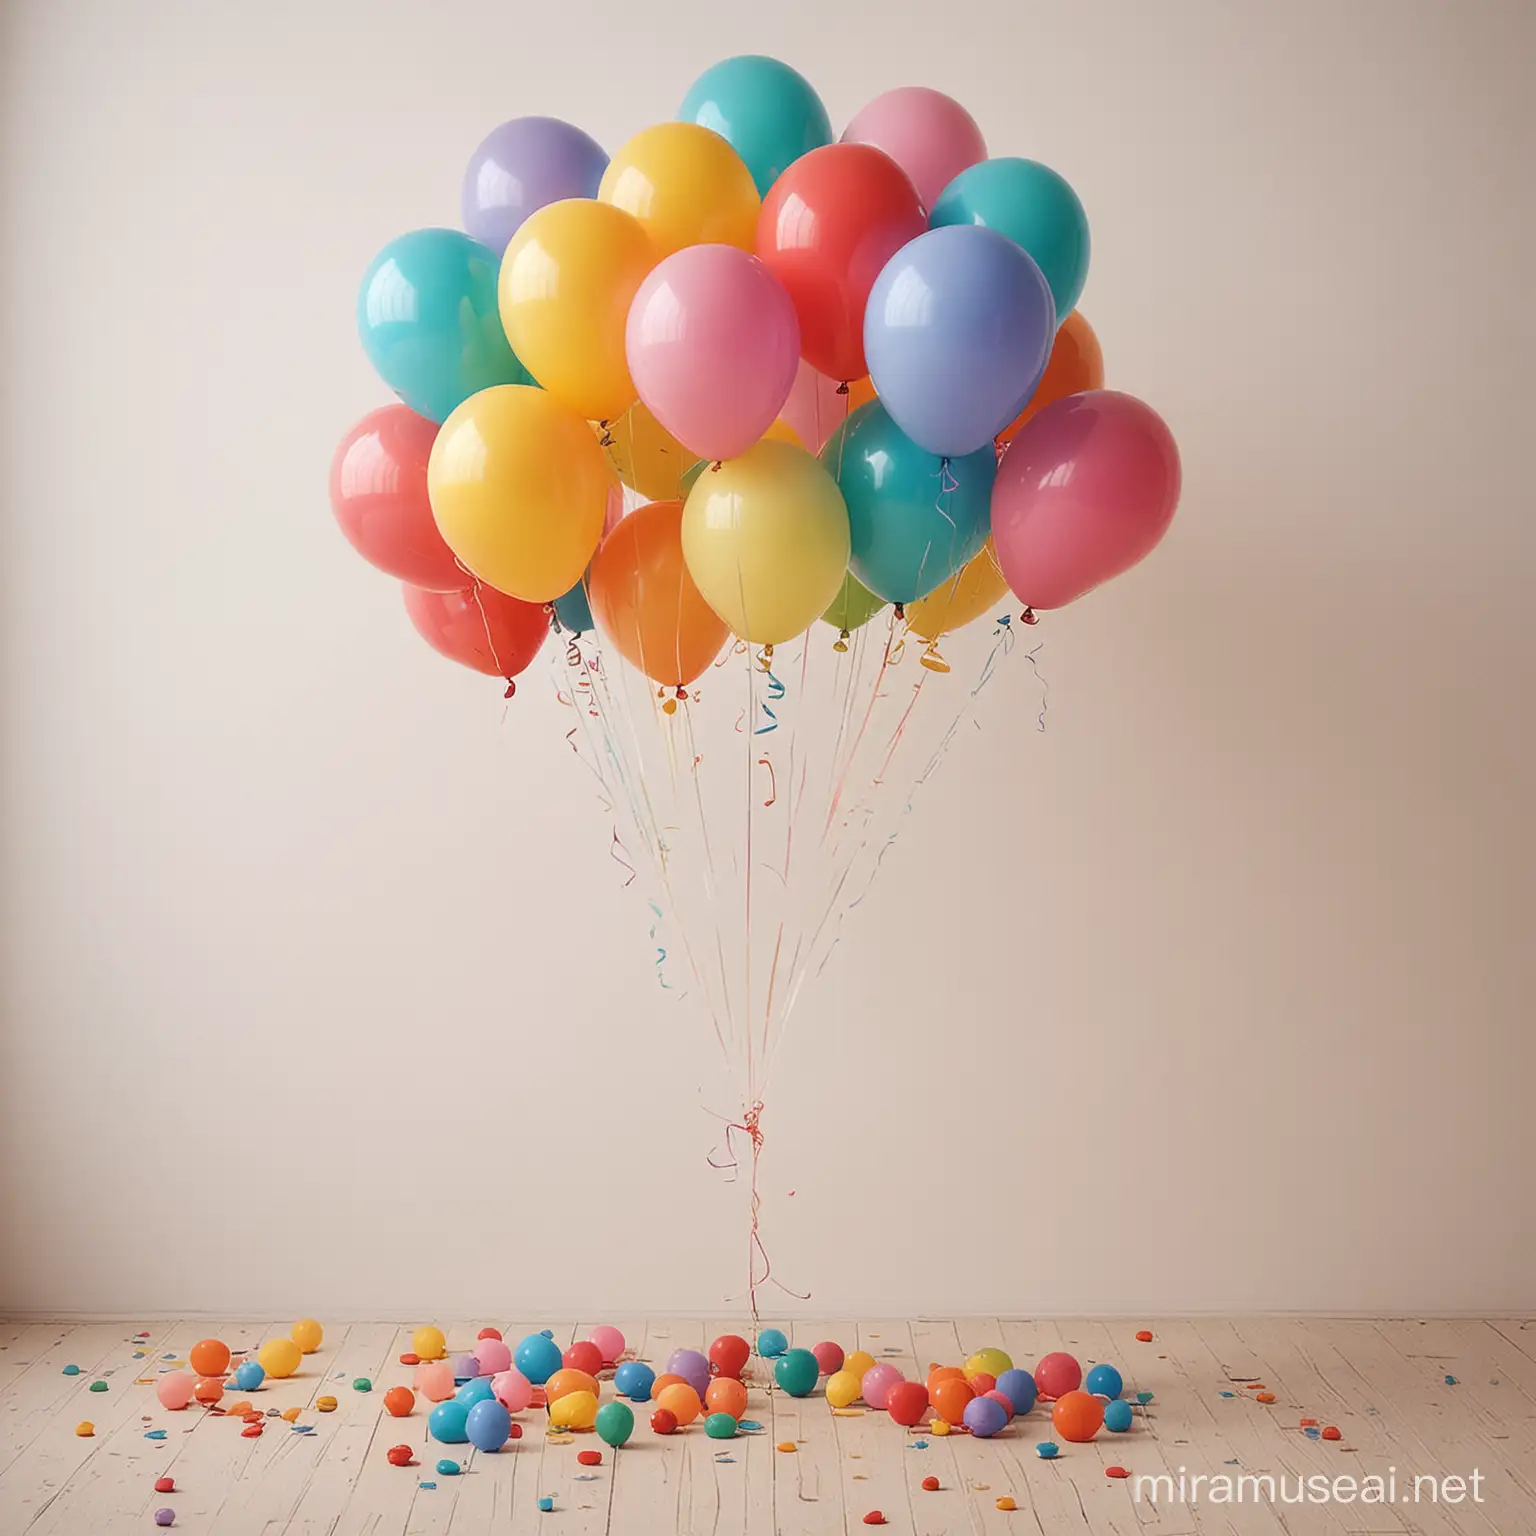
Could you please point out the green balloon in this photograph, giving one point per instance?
(690, 477)
(796, 1371)
(854, 605)
(720, 1426)
(615, 1423)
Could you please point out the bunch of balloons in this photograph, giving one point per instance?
(838, 373)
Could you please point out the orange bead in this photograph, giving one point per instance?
(681, 1401)
(563, 1383)
(1077, 1416)
(209, 1357)
(949, 1398)
(726, 1395)
(399, 1401)
(209, 1389)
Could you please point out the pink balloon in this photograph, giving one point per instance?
(493, 1357)
(713, 346)
(175, 1389)
(1084, 491)
(814, 408)
(928, 134)
(513, 1390)
(609, 1341)
(877, 1384)
(434, 1380)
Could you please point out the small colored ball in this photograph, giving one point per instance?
(1019, 1388)
(991, 1361)
(447, 1421)
(361, 1384)
(209, 1389)
(488, 1333)
(681, 1401)
(576, 1410)
(434, 1380)
(829, 1357)
(280, 1358)
(842, 1388)
(446, 1468)
(175, 1389)
(720, 1426)
(692, 1366)
(249, 1375)
(538, 1358)
(546, 1504)
(796, 1372)
(476, 1390)
(165, 1517)
(326, 1404)
(726, 1395)
(615, 1423)
(1058, 1374)
(209, 1357)
(997, 1397)
(399, 1455)
(1077, 1416)
(907, 1402)
(85, 1429)
(583, 1355)
(609, 1341)
(1048, 1450)
(949, 1398)
(165, 1485)
(428, 1343)
(878, 1381)
(858, 1362)
(494, 1357)
(663, 1421)
(729, 1354)
(489, 1425)
(771, 1343)
(565, 1381)
(97, 1386)
(71, 1370)
(399, 1401)
(513, 1390)
(589, 1458)
(983, 1417)
(307, 1334)
(633, 1380)
(1117, 1416)
(1103, 1381)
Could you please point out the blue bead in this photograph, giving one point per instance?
(1104, 1381)
(546, 1504)
(446, 1468)
(1047, 1449)
(1117, 1416)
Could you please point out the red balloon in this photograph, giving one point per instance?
(827, 227)
(483, 629)
(1085, 490)
(907, 1402)
(583, 1355)
(379, 496)
(728, 1355)
(1057, 1374)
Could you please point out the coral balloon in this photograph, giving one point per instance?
(567, 282)
(609, 1340)
(713, 347)
(512, 1390)
(647, 458)
(645, 601)
(766, 540)
(928, 134)
(830, 224)
(729, 1354)
(519, 489)
(175, 1389)
(1057, 1374)
(523, 166)
(815, 407)
(829, 1357)
(966, 596)
(949, 1398)
(209, 1389)
(209, 1357)
(681, 1401)
(1077, 1416)
(1085, 491)
(726, 1395)
(434, 1380)
(686, 186)
(1076, 364)
(907, 1402)
(583, 1355)
(482, 629)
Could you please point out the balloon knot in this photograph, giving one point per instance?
(606, 440)
(511, 689)
(1029, 616)
(901, 613)
(842, 388)
(714, 468)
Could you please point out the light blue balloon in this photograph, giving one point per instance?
(1036, 208)
(249, 1375)
(489, 1425)
(472, 1392)
(1117, 1417)
(771, 1343)
(633, 1380)
(769, 113)
(574, 611)
(957, 333)
(537, 1357)
(1104, 1381)
(428, 319)
(446, 1422)
(914, 520)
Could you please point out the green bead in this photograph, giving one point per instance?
(796, 1372)
(98, 1386)
(615, 1423)
(362, 1384)
(720, 1426)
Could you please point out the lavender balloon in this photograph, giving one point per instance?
(520, 167)
(958, 331)
(691, 1366)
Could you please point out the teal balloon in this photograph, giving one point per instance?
(574, 611)
(915, 518)
(615, 1423)
(796, 1372)
(1036, 208)
(769, 113)
(428, 319)
(448, 1423)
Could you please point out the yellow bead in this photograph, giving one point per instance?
(289, 1414)
(85, 1429)
(787, 1445)
(1006, 1503)
(938, 1427)
(325, 1404)
(307, 1334)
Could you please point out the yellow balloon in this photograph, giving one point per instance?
(567, 281)
(843, 1387)
(686, 185)
(279, 1357)
(646, 456)
(991, 1362)
(428, 1343)
(977, 588)
(766, 540)
(858, 1363)
(518, 486)
(781, 432)
(307, 1334)
(576, 1410)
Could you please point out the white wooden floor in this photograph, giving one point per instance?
(1383, 1384)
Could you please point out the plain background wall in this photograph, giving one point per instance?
(319, 988)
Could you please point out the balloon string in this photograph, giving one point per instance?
(773, 781)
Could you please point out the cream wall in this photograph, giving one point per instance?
(1217, 996)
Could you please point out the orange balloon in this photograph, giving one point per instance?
(1077, 1416)
(681, 1401)
(209, 1389)
(726, 1395)
(645, 601)
(209, 1357)
(399, 1401)
(1076, 363)
(563, 1383)
(938, 1373)
(949, 1398)
(861, 392)
(662, 1382)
